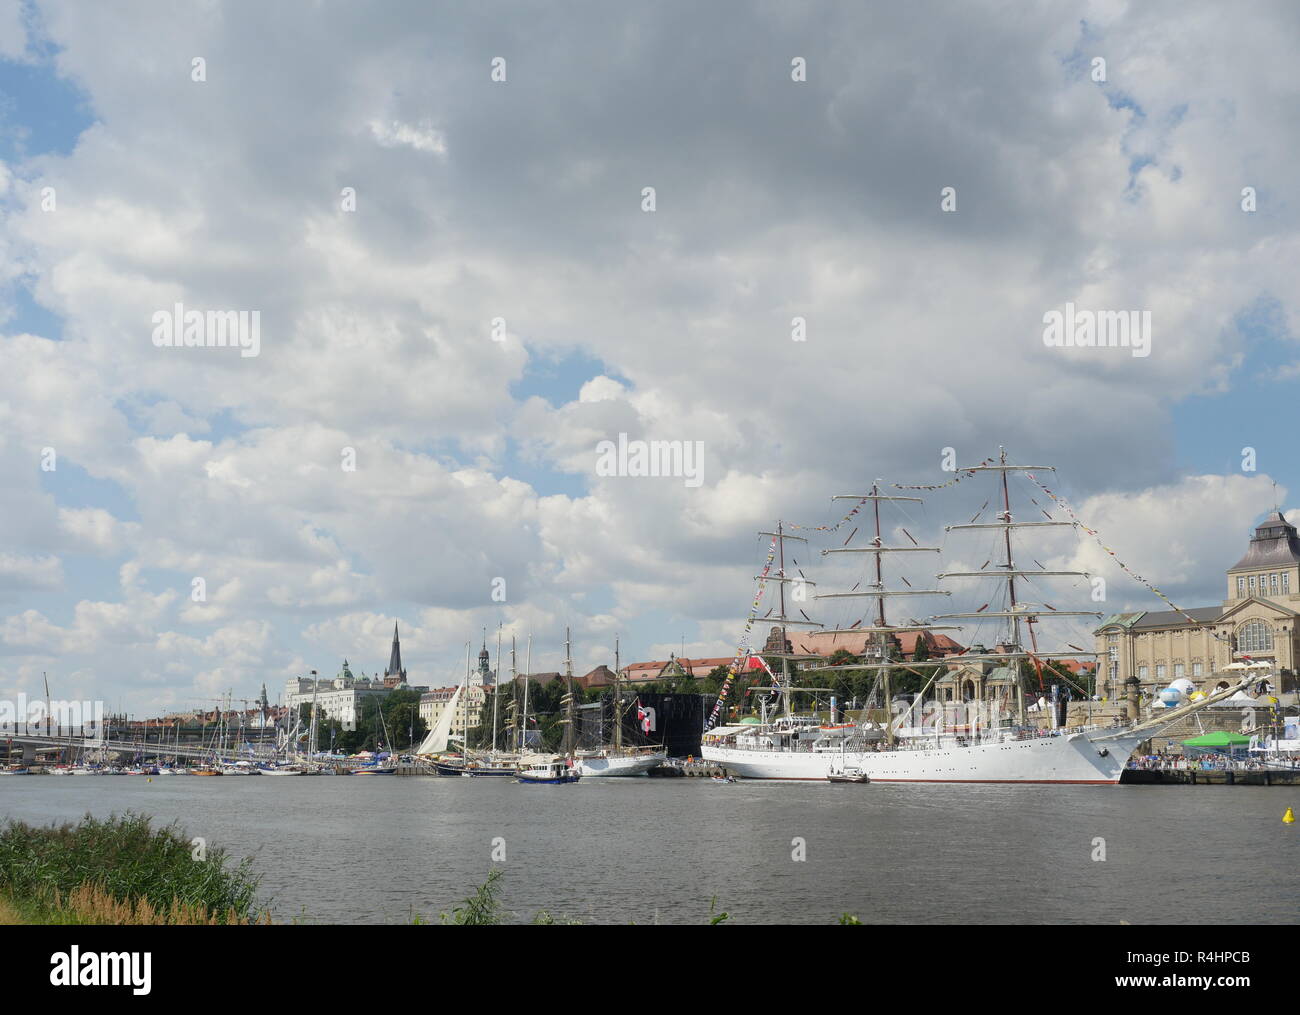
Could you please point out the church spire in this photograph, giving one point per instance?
(394, 674)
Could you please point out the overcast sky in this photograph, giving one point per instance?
(522, 199)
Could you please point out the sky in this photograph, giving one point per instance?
(441, 215)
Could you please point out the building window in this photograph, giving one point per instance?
(1160, 671)
(1196, 669)
(1286, 582)
(1252, 585)
(1272, 583)
(1178, 671)
(1143, 672)
(1241, 586)
(1254, 636)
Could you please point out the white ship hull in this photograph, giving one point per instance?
(620, 765)
(1097, 757)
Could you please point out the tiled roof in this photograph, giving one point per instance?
(1173, 618)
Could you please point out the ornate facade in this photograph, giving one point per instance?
(1257, 621)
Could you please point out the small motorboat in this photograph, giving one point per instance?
(846, 774)
(554, 772)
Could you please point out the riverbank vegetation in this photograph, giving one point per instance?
(120, 870)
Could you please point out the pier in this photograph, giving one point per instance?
(1210, 777)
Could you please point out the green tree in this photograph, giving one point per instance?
(401, 711)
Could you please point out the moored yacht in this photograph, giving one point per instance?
(614, 758)
(554, 771)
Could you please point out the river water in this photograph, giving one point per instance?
(381, 850)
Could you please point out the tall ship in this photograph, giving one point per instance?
(983, 742)
(615, 758)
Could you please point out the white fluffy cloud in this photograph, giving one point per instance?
(522, 201)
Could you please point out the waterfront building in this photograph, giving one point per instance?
(433, 703)
(342, 698)
(934, 645)
(538, 678)
(601, 676)
(1258, 619)
(674, 668)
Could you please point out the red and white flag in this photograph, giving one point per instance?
(643, 717)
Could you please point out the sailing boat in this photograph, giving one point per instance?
(995, 750)
(493, 763)
(614, 759)
(562, 769)
(440, 736)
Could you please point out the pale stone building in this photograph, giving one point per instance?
(1258, 619)
(342, 698)
(434, 703)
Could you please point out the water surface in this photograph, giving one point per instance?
(380, 850)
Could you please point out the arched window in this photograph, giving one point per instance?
(1254, 636)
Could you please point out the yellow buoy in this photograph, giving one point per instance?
(1288, 818)
(150, 779)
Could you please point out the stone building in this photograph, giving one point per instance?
(468, 709)
(1256, 621)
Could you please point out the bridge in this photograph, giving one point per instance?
(80, 741)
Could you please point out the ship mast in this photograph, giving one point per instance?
(464, 704)
(618, 701)
(1007, 572)
(785, 655)
(528, 673)
(568, 696)
(496, 685)
(881, 632)
(512, 722)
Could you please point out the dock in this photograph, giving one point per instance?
(1210, 777)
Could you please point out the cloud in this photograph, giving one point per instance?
(521, 200)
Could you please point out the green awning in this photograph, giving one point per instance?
(1219, 739)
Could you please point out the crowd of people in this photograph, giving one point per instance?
(1209, 763)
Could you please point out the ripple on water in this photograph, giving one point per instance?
(379, 850)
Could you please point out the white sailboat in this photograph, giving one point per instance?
(614, 759)
(438, 738)
(998, 749)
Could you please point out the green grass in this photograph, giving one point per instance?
(124, 859)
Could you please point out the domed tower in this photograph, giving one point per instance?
(483, 676)
(1271, 567)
